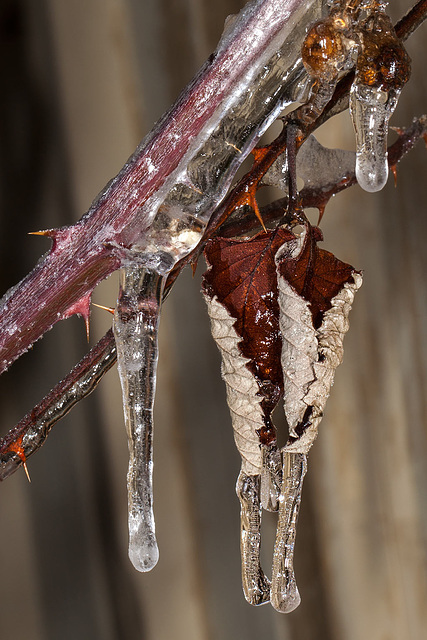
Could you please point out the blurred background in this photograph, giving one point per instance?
(81, 83)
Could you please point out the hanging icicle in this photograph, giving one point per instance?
(136, 322)
(383, 67)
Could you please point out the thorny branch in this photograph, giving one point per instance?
(231, 217)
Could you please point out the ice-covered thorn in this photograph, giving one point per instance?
(230, 144)
(256, 586)
(101, 306)
(284, 591)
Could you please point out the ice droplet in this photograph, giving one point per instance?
(135, 326)
(256, 586)
(284, 592)
(371, 109)
(271, 477)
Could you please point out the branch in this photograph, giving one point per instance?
(119, 223)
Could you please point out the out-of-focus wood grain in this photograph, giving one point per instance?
(97, 75)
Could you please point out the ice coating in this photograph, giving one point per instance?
(284, 591)
(136, 321)
(371, 109)
(180, 210)
(256, 586)
(271, 477)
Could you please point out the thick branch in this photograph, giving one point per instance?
(120, 218)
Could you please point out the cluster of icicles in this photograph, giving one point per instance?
(208, 175)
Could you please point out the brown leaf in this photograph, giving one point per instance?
(315, 274)
(242, 275)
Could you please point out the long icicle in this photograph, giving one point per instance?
(136, 321)
(285, 596)
(256, 586)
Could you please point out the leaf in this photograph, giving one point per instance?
(315, 274)
(316, 291)
(242, 276)
(240, 288)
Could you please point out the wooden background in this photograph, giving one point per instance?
(81, 82)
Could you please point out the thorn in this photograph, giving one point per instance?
(16, 447)
(249, 199)
(254, 205)
(393, 169)
(50, 233)
(230, 144)
(24, 464)
(194, 266)
(87, 325)
(101, 306)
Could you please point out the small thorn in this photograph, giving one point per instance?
(249, 199)
(87, 325)
(393, 169)
(254, 205)
(230, 144)
(194, 266)
(24, 464)
(101, 306)
(50, 233)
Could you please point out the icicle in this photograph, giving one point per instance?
(256, 587)
(383, 67)
(136, 322)
(271, 477)
(284, 592)
(371, 109)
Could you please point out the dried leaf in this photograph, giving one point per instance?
(240, 288)
(316, 291)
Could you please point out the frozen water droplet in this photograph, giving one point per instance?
(284, 592)
(136, 321)
(371, 109)
(271, 477)
(256, 586)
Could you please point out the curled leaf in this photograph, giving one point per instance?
(316, 291)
